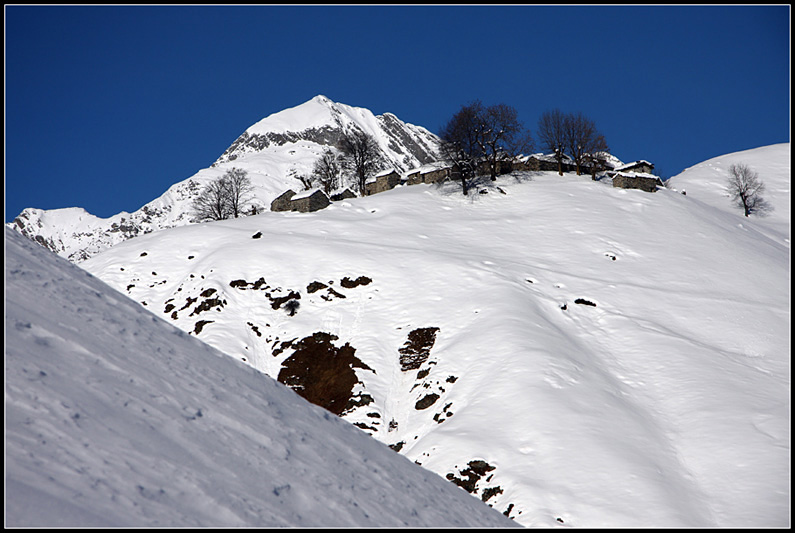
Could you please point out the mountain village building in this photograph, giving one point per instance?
(386, 180)
(304, 202)
(544, 163)
(636, 175)
(282, 202)
(428, 174)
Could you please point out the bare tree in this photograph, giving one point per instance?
(552, 134)
(306, 181)
(212, 202)
(461, 146)
(327, 171)
(745, 189)
(224, 197)
(501, 136)
(238, 190)
(361, 152)
(582, 138)
(596, 156)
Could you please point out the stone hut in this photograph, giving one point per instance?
(343, 195)
(544, 163)
(436, 175)
(282, 202)
(428, 174)
(384, 181)
(632, 180)
(309, 201)
(303, 202)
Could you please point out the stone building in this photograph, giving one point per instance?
(632, 180)
(384, 181)
(544, 163)
(282, 202)
(636, 175)
(428, 174)
(304, 202)
(342, 195)
(309, 201)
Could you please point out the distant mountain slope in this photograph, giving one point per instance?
(113, 418)
(567, 351)
(275, 152)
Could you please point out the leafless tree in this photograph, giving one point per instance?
(212, 203)
(306, 181)
(361, 152)
(596, 156)
(582, 138)
(224, 197)
(327, 171)
(745, 189)
(501, 136)
(461, 146)
(238, 190)
(552, 134)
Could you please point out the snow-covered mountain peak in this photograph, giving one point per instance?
(318, 112)
(322, 122)
(275, 152)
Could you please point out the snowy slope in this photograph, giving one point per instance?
(706, 182)
(114, 418)
(274, 152)
(600, 357)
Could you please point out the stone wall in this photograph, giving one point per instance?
(643, 183)
(282, 203)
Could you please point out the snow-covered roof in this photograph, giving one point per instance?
(543, 157)
(429, 167)
(634, 164)
(386, 172)
(306, 194)
(630, 174)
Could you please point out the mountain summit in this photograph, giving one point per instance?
(321, 121)
(275, 152)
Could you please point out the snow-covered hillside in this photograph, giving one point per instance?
(113, 418)
(274, 152)
(568, 351)
(706, 182)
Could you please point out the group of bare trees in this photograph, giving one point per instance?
(356, 154)
(575, 135)
(480, 138)
(225, 197)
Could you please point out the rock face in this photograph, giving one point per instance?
(321, 372)
(275, 152)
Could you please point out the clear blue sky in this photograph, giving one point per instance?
(106, 107)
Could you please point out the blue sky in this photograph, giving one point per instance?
(106, 107)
